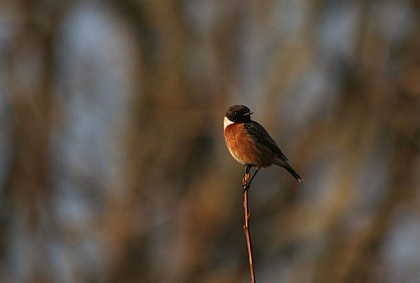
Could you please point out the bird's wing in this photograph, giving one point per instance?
(260, 136)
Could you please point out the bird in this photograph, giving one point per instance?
(250, 144)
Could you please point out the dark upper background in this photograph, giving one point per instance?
(113, 166)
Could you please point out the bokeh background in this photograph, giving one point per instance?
(113, 166)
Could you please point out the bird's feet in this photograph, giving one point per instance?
(245, 181)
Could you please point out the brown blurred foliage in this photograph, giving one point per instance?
(113, 164)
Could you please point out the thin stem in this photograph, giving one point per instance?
(246, 184)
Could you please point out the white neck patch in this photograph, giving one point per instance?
(226, 122)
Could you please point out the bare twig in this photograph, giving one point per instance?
(246, 183)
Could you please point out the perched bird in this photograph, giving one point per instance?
(250, 144)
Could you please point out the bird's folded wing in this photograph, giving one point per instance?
(260, 135)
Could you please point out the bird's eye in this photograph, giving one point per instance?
(235, 113)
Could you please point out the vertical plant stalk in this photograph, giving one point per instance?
(246, 185)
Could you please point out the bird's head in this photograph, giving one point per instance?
(238, 114)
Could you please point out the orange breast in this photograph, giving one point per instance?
(245, 149)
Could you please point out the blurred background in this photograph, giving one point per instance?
(113, 166)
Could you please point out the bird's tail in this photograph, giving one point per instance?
(289, 168)
(293, 172)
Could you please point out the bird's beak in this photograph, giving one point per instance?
(249, 113)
